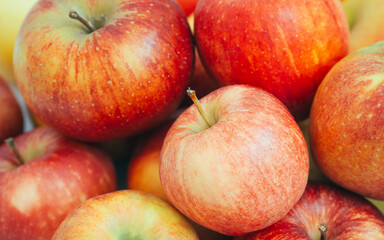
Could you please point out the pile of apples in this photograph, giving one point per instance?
(286, 139)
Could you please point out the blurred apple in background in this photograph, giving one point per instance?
(121, 78)
(240, 171)
(366, 22)
(12, 15)
(345, 215)
(51, 176)
(11, 119)
(125, 214)
(284, 47)
(347, 123)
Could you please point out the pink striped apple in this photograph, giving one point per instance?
(239, 170)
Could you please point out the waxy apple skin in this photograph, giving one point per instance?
(58, 174)
(242, 174)
(117, 81)
(11, 119)
(347, 123)
(284, 47)
(348, 216)
(125, 214)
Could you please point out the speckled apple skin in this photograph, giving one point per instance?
(348, 216)
(117, 81)
(58, 174)
(285, 47)
(347, 123)
(126, 214)
(242, 174)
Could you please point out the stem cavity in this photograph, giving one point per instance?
(323, 231)
(89, 25)
(192, 95)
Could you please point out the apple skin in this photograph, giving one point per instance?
(366, 22)
(11, 18)
(284, 47)
(188, 6)
(125, 214)
(347, 215)
(143, 172)
(58, 174)
(242, 174)
(347, 123)
(115, 82)
(11, 119)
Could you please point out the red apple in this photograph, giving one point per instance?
(242, 172)
(52, 176)
(346, 216)
(143, 172)
(347, 123)
(121, 79)
(11, 119)
(284, 47)
(125, 214)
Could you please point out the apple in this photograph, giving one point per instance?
(44, 179)
(347, 123)
(188, 6)
(340, 215)
(11, 18)
(366, 22)
(118, 78)
(284, 47)
(125, 214)
(11, 119)
(143, 172)
(238, 167)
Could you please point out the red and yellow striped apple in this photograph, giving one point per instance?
(285, 47)
(240, 171)
(51, 177)
(341, 214)
(347, 123)
(118, 78)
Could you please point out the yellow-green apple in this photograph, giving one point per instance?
(365, 21)
(188, 6)
(11, 18)
(240, 169)
(143, 172)
(125, 214)
(122, 74)
(326, 212)
(44, 179)
(347, 123)
(11, 119)
(284, 47)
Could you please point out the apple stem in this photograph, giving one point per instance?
(323, 231)
(11, 144)
(192, 95)
(75, 15)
